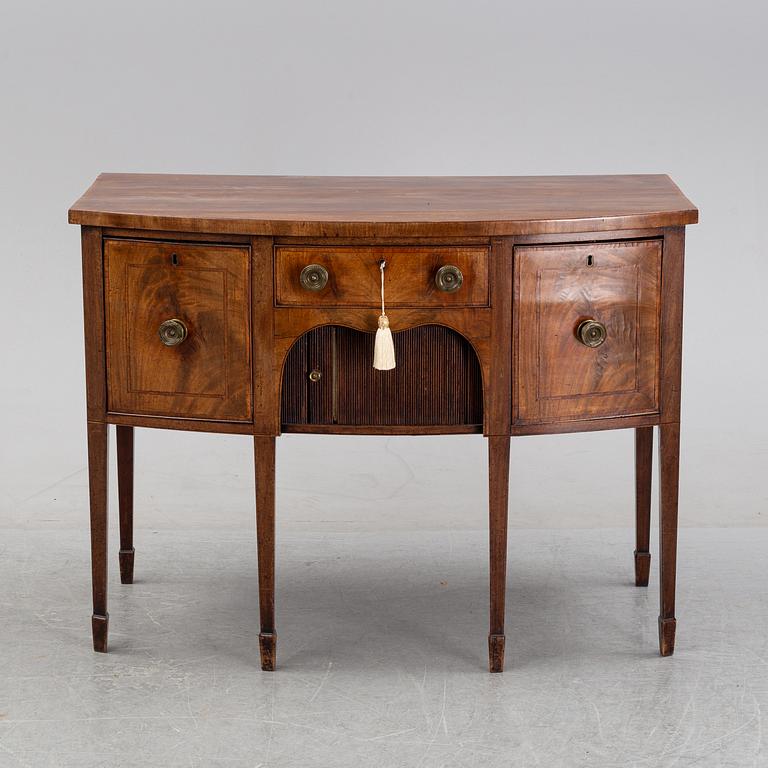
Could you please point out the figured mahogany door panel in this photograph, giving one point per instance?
(413, 276)
(328, 381)
(587, 330)
(199, 367)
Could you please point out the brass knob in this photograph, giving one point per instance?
(315, 375)
(449, 278)
(314, 277)
(591, 333)
(172, 332)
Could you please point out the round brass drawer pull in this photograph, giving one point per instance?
(315, 375)
(314, 277)
(172, 332)
(591, 333)
(449, 278)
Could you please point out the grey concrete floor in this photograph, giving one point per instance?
(382, 653)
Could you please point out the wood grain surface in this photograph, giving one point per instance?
(207, 287)
(559, 286)
(328, 206)
(354, 278)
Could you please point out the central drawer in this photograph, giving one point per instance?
(349, 276)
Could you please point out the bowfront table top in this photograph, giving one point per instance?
(371, 206)
(518, 305)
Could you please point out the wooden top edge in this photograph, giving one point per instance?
(377, 206)
(358, 229)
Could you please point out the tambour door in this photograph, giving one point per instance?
(329, 381)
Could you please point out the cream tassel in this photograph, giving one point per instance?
(384, 347)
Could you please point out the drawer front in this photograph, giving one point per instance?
(415, 276)
(587, 330)
(178, 329)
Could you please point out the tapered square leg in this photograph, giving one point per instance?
(125, 501)
(669, 460)
(498, 498)
(643, 474)
(98, 455)
(264, 457)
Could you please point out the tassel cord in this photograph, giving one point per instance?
(383, 348)
(382, 264)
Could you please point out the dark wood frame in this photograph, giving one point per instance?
(490, 332)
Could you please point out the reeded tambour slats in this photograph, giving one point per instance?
(437, 380)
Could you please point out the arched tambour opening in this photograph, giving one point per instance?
(329, 383)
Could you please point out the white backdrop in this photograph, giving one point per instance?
(395, 87)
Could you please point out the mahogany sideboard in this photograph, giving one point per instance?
(519, 306)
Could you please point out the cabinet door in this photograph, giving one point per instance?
(586, 331)
(178, 329)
